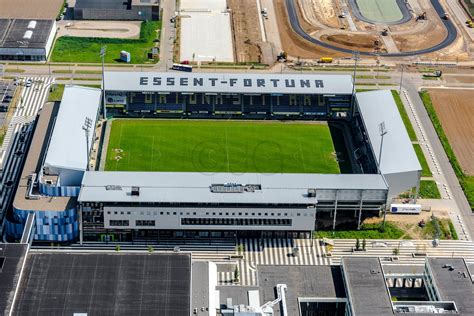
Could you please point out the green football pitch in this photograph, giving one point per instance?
(380, 10)
(220, 146)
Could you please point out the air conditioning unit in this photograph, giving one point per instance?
(135, 191)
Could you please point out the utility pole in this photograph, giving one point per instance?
(103, 51)
(86, 127)
(356, 57)
(401, 81)
(383, 132)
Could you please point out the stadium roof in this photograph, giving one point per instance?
(398, 154)
(68, 144)
(228, 83)
(18, 34)
(102, 4)
(190, 187)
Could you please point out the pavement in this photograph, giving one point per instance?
(168, 35)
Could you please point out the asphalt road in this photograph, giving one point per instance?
(441, 156)
(449, 25)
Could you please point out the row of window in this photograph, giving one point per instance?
(237, 221)
(148, 213)
(127, 223)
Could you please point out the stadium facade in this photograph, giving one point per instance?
(71, 202)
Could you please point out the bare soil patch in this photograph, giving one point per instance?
(455, 110)
(29, 9)
(362, 42)
(292, 43)
(246, 30)
(432, 34)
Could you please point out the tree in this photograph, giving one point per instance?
(117, 248)
(357, 244)
(236, 274)
(364, 244)
(150, 249)
(396, 251)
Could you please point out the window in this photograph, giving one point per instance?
(119, 223)
(145, 223)
(161, 213)
(128, 213)
(236, 222)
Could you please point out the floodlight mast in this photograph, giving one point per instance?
(103, 51)
(86, 127)
(383, 131)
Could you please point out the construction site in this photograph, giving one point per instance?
(311, 29)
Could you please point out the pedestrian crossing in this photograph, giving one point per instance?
(277, 251)
(30, 102)
(404, 252)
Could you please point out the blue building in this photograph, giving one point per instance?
(56, 162)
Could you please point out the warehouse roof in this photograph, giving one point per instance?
(398, 154)
(228, 83)
(68, 143)
(30, 9)
(25, 33)
(194, 187)
(102, 4)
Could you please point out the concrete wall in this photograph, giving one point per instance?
(139, 13)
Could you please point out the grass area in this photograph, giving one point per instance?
(62, 71)
(380, 10)
(367, 231)
(429, 190)
(404, 115)
(14, 70)
(467, 182)
(55, 94)
(220, 146)
(441, 228)
(470, 6)
(425, 169)
(89, 72)
(2, 136)
(86, 79)
(86, 49)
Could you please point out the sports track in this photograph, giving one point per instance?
(448, 24)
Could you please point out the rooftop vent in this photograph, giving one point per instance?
(28, 34)
(135, 191)
(32, 25)
(113, 187)
(311, 192)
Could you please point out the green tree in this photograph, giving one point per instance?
(236, 274)
(364, 244)
(117, 248)
(357, 244)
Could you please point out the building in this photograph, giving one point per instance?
(117, 10)
(359, 286)
(30, 9)
(72, 202)
(74, 283)
(53, 170)
(29, 40)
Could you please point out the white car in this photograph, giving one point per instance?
(28, 83)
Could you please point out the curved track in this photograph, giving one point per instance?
(449, 39)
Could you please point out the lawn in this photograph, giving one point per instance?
(429, 190)
(404, 115)
(86, 49)
(367, 231)
(425, 169)
(56, 93)
(467, 182)
(220, 146)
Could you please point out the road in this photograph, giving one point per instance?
(168, 35)
(448, 24)
(17, 138)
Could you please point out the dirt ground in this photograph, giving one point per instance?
(29, 9)
(246, 30)
(455, 109)
(293, 44)
(459, 79)
(321, 12)
(363, 42)
(122, 29)
(430, 35)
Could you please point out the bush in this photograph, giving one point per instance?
(367, 231)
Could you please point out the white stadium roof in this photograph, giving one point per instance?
(67, 147)
(194, 187)
(398, 154)
(228, 83)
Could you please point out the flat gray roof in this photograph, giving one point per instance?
(454, 285)
(398, 154)
(228, 83)
(67, 147)
(194, 187)
(12, 33)
(365, 283)
(11, 256)
(302, 282)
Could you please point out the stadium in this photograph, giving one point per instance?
(198, 155)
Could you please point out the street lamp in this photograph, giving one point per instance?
(86, 127)
(383, 132)
(103, 51)
(401, 81)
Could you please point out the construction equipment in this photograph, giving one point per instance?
(421, 17)
(445, 16)
(384, 32)
(470, 24)
(282, 57)
(325, 60)
(434, 74)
